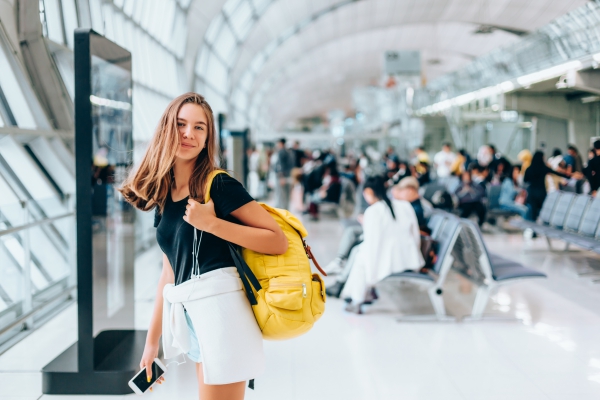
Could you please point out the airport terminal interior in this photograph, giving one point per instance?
(442, 156)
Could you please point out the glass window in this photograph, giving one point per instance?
(14, 94)
(129, 6)
(257, 62)
(261, 5)
(240, 99)
(138, 10)
(202, 62)
(179, 33)
(147, 16)
(225, 44)
(53, 21)
(241, 20)
(109, 31)
(70, 19)
(246, 81)
(30, 176)
(167, 23)
(216, 74)
(217, 101)
(118, 27)
(231, 6)
(184, 3)
(65, 63)
(213, 29)
(96, 12)
(119, 3)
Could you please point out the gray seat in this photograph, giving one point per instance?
(588, 234)
(557, 220)
(545, 213)
(563, 205)
(435, 223)
(446, 235)
(573, 218)
(495, 269)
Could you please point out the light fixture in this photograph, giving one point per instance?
(549, 73)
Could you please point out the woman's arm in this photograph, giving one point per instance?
(155, 328)
(259, 232)
(551, 171)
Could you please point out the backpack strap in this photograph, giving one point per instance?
(209, 181)
(246, 274)
(309, 253)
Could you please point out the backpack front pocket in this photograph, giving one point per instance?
(286, 294)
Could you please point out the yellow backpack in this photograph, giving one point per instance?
(286, 297)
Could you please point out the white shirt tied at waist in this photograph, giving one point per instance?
(229, 338)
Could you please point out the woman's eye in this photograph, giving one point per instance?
(199, 128)
(180, 124)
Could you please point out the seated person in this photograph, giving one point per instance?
(387, 223)
(511, 196)
(408, 190)
(329, 192)
(471, 198)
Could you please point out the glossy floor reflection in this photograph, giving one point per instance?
(552, 353)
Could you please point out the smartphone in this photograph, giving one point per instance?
(139, 383)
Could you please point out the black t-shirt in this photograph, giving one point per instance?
(176, 237)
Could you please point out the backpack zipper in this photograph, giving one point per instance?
(291, 285)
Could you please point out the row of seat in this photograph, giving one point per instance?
(432, 192)
(570, 217)
(461, 247)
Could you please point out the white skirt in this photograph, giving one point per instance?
(229, 338)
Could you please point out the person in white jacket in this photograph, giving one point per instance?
(391, 244)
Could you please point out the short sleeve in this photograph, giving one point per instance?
(228, 195)
(157, 217)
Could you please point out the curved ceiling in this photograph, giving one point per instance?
(324, 77)
(305, 32)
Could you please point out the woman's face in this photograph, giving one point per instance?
(515, 174)
(370, 197)
(193, 131)
(466, 177)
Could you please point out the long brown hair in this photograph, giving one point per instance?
(148, 186)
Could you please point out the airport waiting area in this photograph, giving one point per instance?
(292, 199)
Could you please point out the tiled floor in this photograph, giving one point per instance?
(554, 354)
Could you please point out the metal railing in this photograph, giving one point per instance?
(37, 264)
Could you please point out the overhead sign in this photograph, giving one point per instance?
(402, 62)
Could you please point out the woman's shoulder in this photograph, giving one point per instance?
(402, 205)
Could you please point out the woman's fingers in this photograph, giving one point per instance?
(149, 372)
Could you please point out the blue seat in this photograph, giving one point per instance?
(494, 209)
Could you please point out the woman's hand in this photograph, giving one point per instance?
(200, 216)
(150, 353)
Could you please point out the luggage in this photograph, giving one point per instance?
(286, 297)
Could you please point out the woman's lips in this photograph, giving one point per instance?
(186, 145)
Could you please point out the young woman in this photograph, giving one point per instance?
(391, 244)
(511, 192)
(535, 176)
(470, 198)
(171, 179)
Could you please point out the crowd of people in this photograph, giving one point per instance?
(389, 208)
(388, 205)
